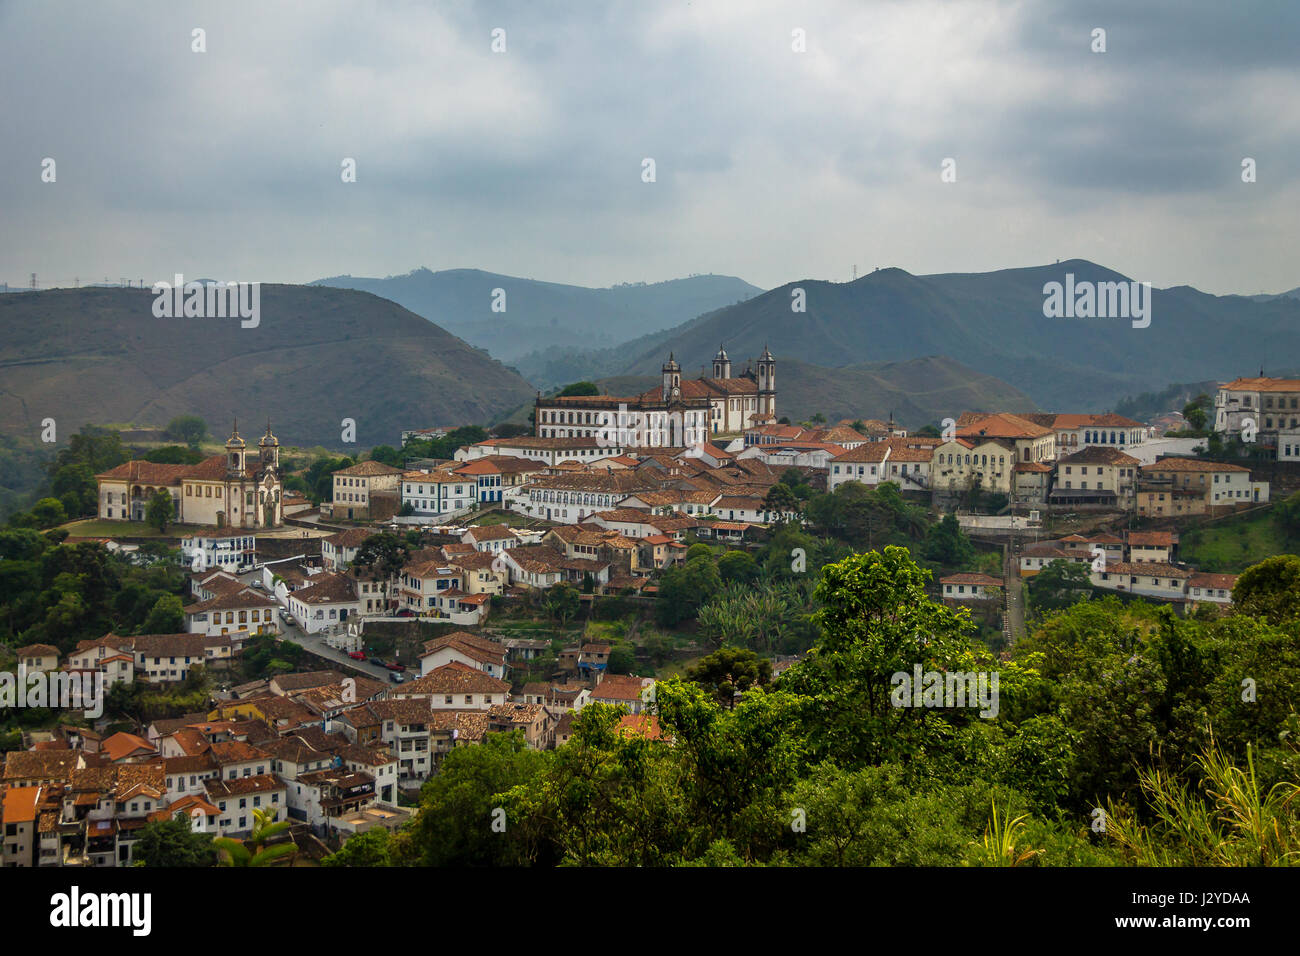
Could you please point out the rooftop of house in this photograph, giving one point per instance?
(1190, 465)
(367, 469)
(454, 678)
(967, 577)
(1099, 455)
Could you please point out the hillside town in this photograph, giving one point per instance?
(332, 746)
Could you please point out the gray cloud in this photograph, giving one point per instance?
(771, 165)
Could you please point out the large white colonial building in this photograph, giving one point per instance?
(234, 490)
(675, 414)
(1271, 404)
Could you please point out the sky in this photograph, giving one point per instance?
(771, 163)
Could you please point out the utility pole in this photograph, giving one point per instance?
(33, 281)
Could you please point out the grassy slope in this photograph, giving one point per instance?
(1234, 544)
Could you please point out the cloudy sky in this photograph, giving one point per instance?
(770, 164)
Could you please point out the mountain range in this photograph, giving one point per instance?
(317, 356)
(514, 317)
(994, 322)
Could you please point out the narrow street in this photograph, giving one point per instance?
(316, 644)
(1014, 616)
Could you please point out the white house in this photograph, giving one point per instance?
(438, 492)
(970, 587)
(1149, 579)
(229, 549)
(330, 600)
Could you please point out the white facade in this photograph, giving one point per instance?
(435, 494)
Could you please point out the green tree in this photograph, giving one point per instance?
(165, 617)
(372, 848)
(1196, 410)
(738, 567)
(947, 544)
(1059, 585)
(579, 388)
(877, 621)
(382, 555)
(684, 588)
(622, 659)
(562, 602)
(699, 550)
(160, 510)
(388, 455)
(99, 449)
(48, 512)
(458, 823)
(731, 671)
(189, 429)
(173, 844)
(74, 485)
(780, 499)
(1270, 589)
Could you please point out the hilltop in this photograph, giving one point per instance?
(541, 315)
(319, 355)
(994, 322)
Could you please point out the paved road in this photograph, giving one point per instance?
(1015, 611)
(316, 644)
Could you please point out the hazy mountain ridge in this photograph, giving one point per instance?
(994, 322)
(541, 315)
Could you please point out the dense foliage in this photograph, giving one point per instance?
(1121, 735)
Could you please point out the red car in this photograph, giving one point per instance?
(394, 666)
(356, 655)
(405, 612)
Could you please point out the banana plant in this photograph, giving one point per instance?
(253, 851)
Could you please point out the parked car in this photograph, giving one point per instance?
(394, 666)
(288, 619)
(377, 662)
(405, 612)
(259, 585)
(356, 655)
(396, 678)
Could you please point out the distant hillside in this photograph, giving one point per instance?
(917, 392)
(319, 355)
(994, 322)
(1149, 405)
(541, 315)
(1291, 294)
